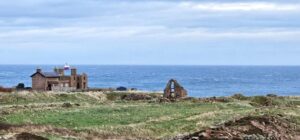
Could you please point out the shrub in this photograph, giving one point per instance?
(239, 96)
(2, 89)
(20, 86)
(271, 95)
(115, 96)
(261, 101)
(136, 96)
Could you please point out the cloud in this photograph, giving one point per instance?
(142, 26)
(250, 6)
(146, 33)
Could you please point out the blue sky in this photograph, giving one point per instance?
(150, 32)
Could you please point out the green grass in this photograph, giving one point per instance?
(138, 119)
(130, 119)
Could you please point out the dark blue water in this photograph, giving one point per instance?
(200, 81)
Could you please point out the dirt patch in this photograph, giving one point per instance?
(28, 136)
(5, 126)
(20, 135)
(259, 127)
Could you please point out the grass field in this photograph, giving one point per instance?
(98, 115)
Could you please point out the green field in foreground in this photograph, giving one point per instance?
(98, 115)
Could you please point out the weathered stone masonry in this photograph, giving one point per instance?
(57, 80)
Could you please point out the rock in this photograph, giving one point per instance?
(67, 105)
(195, 138)
(163, 100)
(203, 135)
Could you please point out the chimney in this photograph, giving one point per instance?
(56, 70)
(61, 72)
(39, 70)
(73, 71)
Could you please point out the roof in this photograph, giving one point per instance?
(50, 74)
(46, 74)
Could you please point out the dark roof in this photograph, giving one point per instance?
(46, 74)
(50, 74)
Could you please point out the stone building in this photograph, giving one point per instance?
(174, 90)
(58, 80)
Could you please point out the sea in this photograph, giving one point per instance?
(199, 81)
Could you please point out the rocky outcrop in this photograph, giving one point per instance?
(249, 128)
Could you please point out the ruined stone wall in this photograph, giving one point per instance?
(82, 81)
(174, 90)
(73, 81)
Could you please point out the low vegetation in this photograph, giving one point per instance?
(103, 115)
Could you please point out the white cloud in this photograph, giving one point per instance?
(144, 33)
(250, 6)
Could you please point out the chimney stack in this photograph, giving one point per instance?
(56, 70)
(74, 71)
(39, 70)
(61, 72)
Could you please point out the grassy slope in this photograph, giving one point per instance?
(131, 118)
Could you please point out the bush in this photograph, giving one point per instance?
(261, 101)
(115, 96)
(271, 95)
(137, 96)
(239, 96)
(2, 89)
(20, 86)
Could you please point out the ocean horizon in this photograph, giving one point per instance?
(198, 80)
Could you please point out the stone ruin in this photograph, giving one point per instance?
(174, 90)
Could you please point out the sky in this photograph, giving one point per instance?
(150, 32)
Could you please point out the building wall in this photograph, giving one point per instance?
(50, 81)
(73, 81)
(38, 82)
(82, 81)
